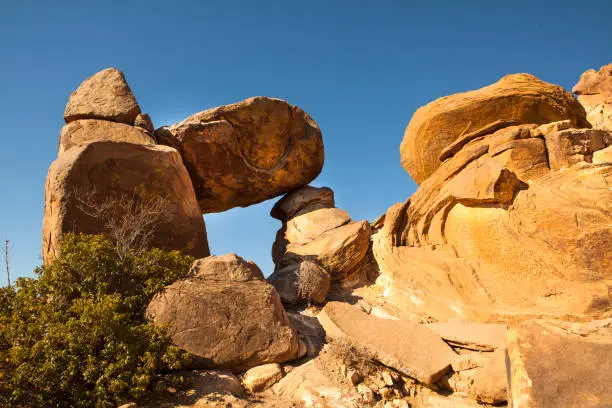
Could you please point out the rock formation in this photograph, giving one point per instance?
(594, 90)
(247, 152)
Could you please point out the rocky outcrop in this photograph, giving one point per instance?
(226, 323)
(594, 90)
(88, 178)
(247, 152)
(560, 364)
(442, 127)
(105, 95)
(226, 267)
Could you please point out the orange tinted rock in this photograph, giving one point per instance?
(514, 99)
(308, 197)
(594, 90)
(245, 153)
(105, 95)
(568, 147)
(226, 267)
(112, 170)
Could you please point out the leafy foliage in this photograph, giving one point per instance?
(76, 336)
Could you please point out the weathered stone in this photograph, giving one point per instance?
(301, 281)
(247, 152)
(260, 378)
(107, 172)
(472, 336)
(552, 366)
(226, 267)
(339, 251)
(594, 90)
(226, 324)
(86, 131)
(409, 348)
(514, 99)
(307, 227)
(105, 95)
(303, 198)
(207, 382)
(568, 147)
(603, 156)
(486, 383)
(143, 120)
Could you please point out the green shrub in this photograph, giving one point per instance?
(76, 336)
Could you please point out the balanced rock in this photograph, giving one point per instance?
(454, 120)
(105, 95)
(228, 324)
(100, 174)
(85, 131)
(244, 153)
(560, 364)
(410, 348)
(594, 90)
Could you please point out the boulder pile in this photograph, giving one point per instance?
(489, 286)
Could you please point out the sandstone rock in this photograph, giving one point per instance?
(226, 267)
(568, 147)
(486, 383)
(143, 120)
(310, 332)
(307, 227)
(603, 156)
(86, 131)
(594, 90)
(339, 251)
(247, 152)
(514, 99)
(104, 172)
(305, 198)
(226, 324)
(105, 95)
(304, 280)
(409, 348)
(205, 382)
(553, 367)
(472, 336)
(258, 379)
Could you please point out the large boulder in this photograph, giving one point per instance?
(85, 131)
(226, 267)
(594, 90)
(89, 177)
(454, 120)
(226, 324)
(301, 201)
(105, 95)
(247, 152)
(560, 364)
(412, 349)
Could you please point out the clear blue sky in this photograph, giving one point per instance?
(360, 69)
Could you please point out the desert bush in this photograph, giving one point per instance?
(345, 352)
(76, 335)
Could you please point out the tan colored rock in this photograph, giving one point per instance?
(301, 281)
(594, 90)
(514, 99)
(226, 324)
(260, 378)
(247, 152)
(485, 383)
(102, 172)
(409, 348)
(226, 267)
(206, 382)
(307, 227)
(568, 147)
(143, 120)
(551, 366)
(340, 251)
(85, 131)
(603, 156)
(305, 198)
(105, 95)
(472, 336)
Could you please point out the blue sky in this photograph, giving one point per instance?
(360, 69)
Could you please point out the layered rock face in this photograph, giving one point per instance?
(109, 164)
(247, 152)
(226, 316)
(315, 240)
(449, 122)
(594, 90)
(513, 219)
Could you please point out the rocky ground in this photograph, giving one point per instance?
(489, 286)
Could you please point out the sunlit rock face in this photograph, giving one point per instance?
(594, 90)
(513, 216)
